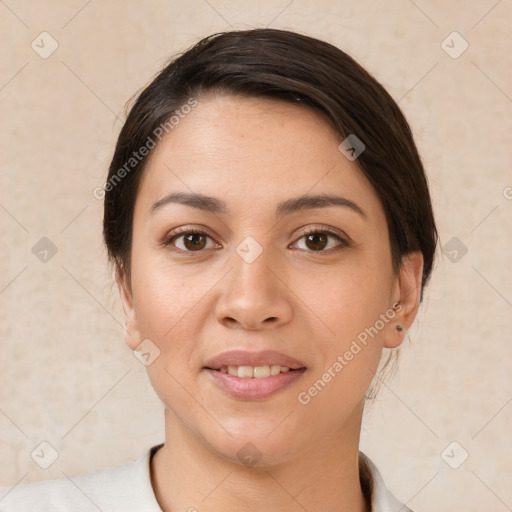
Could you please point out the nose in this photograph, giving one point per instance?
(253, 296)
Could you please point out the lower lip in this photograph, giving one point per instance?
(251, 388)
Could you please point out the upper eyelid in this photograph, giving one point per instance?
(187, 229)
(324, 229)
(184, 231)
(306, 230)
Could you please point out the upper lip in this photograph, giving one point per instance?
(245, 358)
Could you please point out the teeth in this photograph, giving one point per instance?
(275, 369)
(245, 371)
(257, 372)
(261, 371)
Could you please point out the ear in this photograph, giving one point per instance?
(131, 329)
(408, 296)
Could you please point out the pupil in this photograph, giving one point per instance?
(314, 239)
(192, 241)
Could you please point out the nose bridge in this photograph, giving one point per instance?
(253, 279)
(252, 295)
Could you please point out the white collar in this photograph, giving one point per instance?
(382, 499)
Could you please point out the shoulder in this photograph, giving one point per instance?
(126, 487)
(382, 499)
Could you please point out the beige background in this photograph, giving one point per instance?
(68, 378)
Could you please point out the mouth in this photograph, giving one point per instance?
(255, 372)
(253, 376)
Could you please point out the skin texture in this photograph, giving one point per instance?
(310, 304)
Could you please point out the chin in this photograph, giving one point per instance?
(254, 443)
(254, 452)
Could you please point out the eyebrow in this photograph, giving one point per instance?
(215, 205)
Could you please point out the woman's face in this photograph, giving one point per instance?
(253, 287)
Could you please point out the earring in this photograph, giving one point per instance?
(396, 306)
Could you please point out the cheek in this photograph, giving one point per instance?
(173, 304)
(350, 299)
(164, 296)
(170, 309)
(354, 304)
(350, 345)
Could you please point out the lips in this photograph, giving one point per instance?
(253, 375)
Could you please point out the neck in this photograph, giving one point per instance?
(188, 475)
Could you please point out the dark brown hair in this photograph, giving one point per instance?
(295, 68)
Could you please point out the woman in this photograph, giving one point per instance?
(270, 225)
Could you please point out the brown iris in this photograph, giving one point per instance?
(317, 241)
(194, 241)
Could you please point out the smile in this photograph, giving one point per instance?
(256, 372)
(246, 375)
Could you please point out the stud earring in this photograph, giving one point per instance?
(399, 327)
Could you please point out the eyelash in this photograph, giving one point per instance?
(309, 231)
(180, 232)
(326, 231)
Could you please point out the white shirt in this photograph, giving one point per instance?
(127, 488)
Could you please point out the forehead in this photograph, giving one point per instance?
(251, 151)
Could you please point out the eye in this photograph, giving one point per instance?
(191, 240)
(321, 240)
